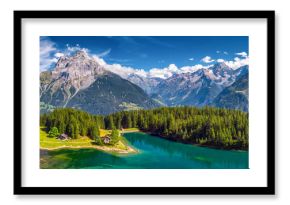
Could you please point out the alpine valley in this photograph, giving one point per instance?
(79, 81)
(144, 102)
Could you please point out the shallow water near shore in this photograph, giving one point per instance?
(153, 153)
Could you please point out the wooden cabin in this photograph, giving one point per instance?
(63, 136)
(107, 139)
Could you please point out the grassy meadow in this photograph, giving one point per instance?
(82, 142)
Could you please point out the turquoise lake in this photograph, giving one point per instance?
(153, 153)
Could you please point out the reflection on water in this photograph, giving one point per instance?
(154, 153)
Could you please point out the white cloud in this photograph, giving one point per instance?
(191, 69)
(101, 61)
(207, 59)
(237, 59)
(242, 54)
(173, 69)
(72, 49)
(58, 54)
(124, 71)
(237, 62)
(49, 55)
(164, 73)
(141, 72)
(160, 73)
(222, 52)
(103, 54)
(220, 60)
(47, 48)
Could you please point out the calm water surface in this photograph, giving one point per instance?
(153, 153)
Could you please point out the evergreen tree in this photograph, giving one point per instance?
(213, 126)
(110, 123)
(53, 132)
(115, 136)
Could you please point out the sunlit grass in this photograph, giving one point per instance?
(131, 129)
(103, 132)
(84, 141)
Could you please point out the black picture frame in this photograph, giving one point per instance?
(268, 190)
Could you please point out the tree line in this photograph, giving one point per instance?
(209, 126)
(72, 122)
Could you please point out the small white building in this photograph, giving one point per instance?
(107, 139)
(63, 136)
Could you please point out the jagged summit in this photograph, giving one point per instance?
(81, 54)
(79, 81)
(80, 64)
(221, 69)
(70, 75)
(199, 88)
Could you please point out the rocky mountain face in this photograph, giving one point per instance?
(146, 83)
(110, 93)
(79, 81)
(199, 88)
(71, 74)
(236, 96)
(244, 70)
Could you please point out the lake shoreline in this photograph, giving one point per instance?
(199, 145)
(153, 153)
(130, 150)
(84, 142)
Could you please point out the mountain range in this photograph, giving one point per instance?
(80, 82)
(236, 95)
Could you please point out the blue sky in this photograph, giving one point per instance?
(148, 52)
